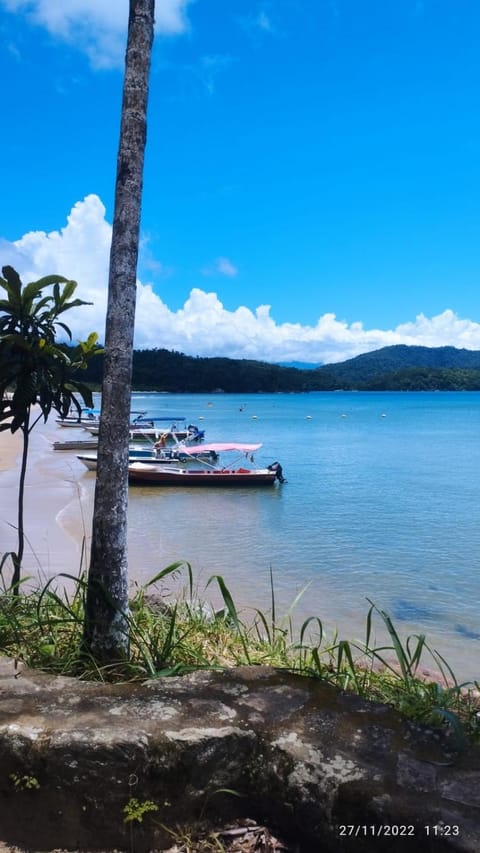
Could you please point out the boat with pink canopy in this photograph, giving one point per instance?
(209, 475)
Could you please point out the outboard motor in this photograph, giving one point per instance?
(194, 433)
(275, 466)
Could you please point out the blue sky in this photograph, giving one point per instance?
(312, 175)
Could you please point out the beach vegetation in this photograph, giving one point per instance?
(38, 372)
(24, 782)
(135, 809)
(43, 629)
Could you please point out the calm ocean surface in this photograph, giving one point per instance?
(382, 502)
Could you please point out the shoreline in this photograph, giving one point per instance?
(50, 487)
(58, 510)
(10, 448)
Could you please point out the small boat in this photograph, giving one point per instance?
(76, 445)
(145, 429)
(159, 475)
(90, 460)
(86, 418)
(90, 419)
(163, 456)
(172, 434)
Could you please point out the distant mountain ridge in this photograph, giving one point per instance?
(389, 360)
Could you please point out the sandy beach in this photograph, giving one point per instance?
(52, 495)
(10, 448)
(58, 510)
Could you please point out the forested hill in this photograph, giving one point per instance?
(164, 370)
(402, 368)
(392, 363)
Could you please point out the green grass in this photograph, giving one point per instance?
(43, 628)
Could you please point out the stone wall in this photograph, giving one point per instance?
(325, 768)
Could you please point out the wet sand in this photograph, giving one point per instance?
(10, 448)
(59, 499)
(58, 511)
(51, 486)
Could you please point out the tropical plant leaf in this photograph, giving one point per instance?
(12, 279)
(33, 364)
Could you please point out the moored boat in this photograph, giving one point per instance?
(164, 456)
(149, 430)
(89, 419)
(80, 420)
(159, 475)
(76, 445)
(170, 435)
(156, 474)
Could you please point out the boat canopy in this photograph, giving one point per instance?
(220, 447)
(171, 419)
(97, 412)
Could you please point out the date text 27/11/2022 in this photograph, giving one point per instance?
(438, 830)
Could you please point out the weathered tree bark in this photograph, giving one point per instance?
(106, 617)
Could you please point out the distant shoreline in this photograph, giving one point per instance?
(394, 368)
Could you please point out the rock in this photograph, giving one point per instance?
(325, 768)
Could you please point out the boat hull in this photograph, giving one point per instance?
(78, 423)
(75, 445)
(155, 475)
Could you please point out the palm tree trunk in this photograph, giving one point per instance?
(18, 557)
(106, 617)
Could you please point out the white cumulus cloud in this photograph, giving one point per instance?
(203, 326)
(98, 27)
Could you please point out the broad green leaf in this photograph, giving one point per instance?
(33, 364)
(31, 291)
(65, 329)
(13, 279)
(48, 280)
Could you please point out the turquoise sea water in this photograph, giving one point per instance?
(382, 502)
